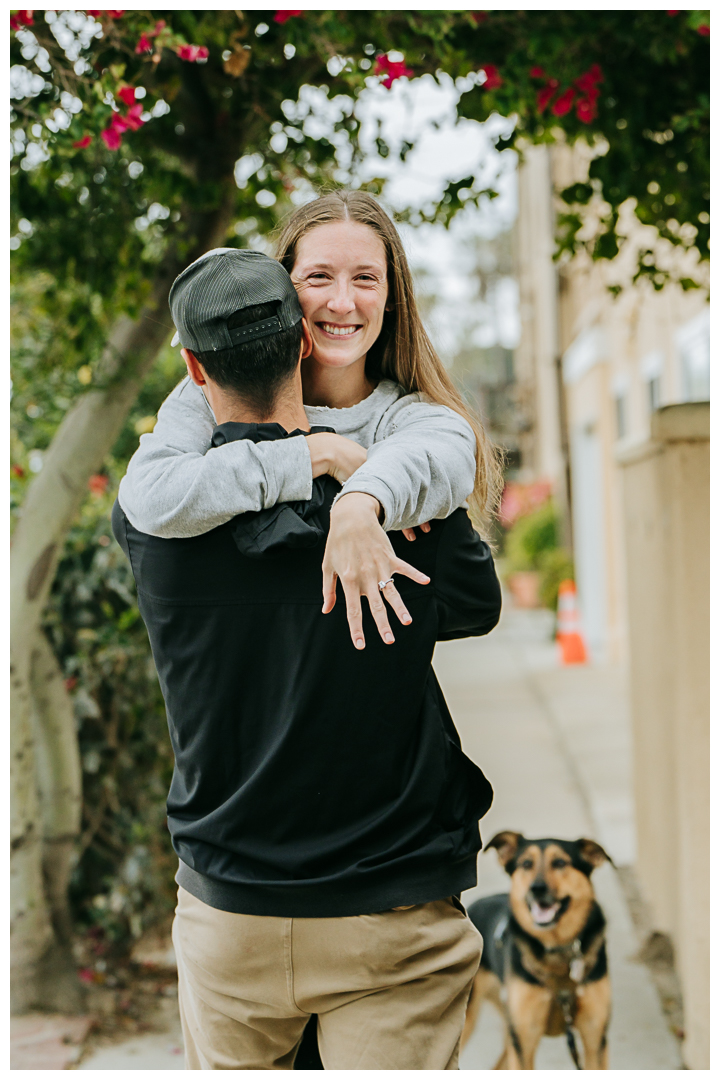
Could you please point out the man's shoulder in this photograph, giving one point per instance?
(270, 556)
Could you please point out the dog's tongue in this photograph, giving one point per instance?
(543, 915)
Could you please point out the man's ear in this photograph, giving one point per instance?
(194, 367)
(306, 345)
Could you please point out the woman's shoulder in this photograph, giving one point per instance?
(388, 392)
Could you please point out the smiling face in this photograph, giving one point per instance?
(550, 889)
(546, 889)
(340, 274)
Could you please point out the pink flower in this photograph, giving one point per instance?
(478, 16)
(537, 73)
(159, 26)
(98, 484)
(143, 44)
(564, 102)
(545, 95)
(390, 70)
(704, 30)
(673, 12)
(94, 13)
(589, 79)
(111, 137)
(82, 143)
(21, 18)
(283, 16)
(115, 14)
(585, 110)
(132, 117)
(192, 52)
(127, 95)
(87, 975)
(492, 77)
(118, 123)
(521, 499)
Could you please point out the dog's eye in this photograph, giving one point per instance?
(558, 864)
(526, 864)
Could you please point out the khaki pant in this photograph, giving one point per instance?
(390, 990)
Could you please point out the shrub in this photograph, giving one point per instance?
(530, 537)
(532, 544)
(555, 566)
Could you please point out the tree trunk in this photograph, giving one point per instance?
(59, 777)
(78, 449)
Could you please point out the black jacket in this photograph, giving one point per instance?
(311, 779)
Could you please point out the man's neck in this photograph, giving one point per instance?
(287, 410)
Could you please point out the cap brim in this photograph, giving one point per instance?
(176, 338)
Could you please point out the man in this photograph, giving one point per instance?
(321, 807)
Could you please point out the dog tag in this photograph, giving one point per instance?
(577, 969)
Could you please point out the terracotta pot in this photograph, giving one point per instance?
(524, 588)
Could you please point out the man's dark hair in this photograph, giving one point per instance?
(255, 370)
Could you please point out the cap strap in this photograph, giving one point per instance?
(255, 330)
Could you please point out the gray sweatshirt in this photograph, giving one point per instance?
(420, 465)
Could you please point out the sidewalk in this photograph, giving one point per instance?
(555, 744)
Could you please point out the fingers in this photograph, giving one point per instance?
(379, 614)
(409, 534)
(329, 594)
(395, 600)
(377, 598)
(354, 615)
(410, 571)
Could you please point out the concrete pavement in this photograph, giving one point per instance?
(555, 743)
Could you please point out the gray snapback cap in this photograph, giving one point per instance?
(221, 282)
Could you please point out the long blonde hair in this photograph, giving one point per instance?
(403, 351)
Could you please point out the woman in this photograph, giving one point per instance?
(407, 448)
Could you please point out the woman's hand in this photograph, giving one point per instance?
(335, 455)
(409, 534)
(360, 554)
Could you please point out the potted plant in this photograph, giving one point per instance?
(534, 562)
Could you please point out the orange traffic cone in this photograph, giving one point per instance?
(569, 636)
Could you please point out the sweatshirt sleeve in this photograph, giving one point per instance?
(466, 585)
(178, 485)
(422, 467)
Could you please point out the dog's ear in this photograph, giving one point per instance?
(507, 844)
(593, 854)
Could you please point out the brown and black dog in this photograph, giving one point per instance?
(544, 963)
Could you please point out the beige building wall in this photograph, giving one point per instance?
(666, 503)
(622, 358)
(632, 368)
